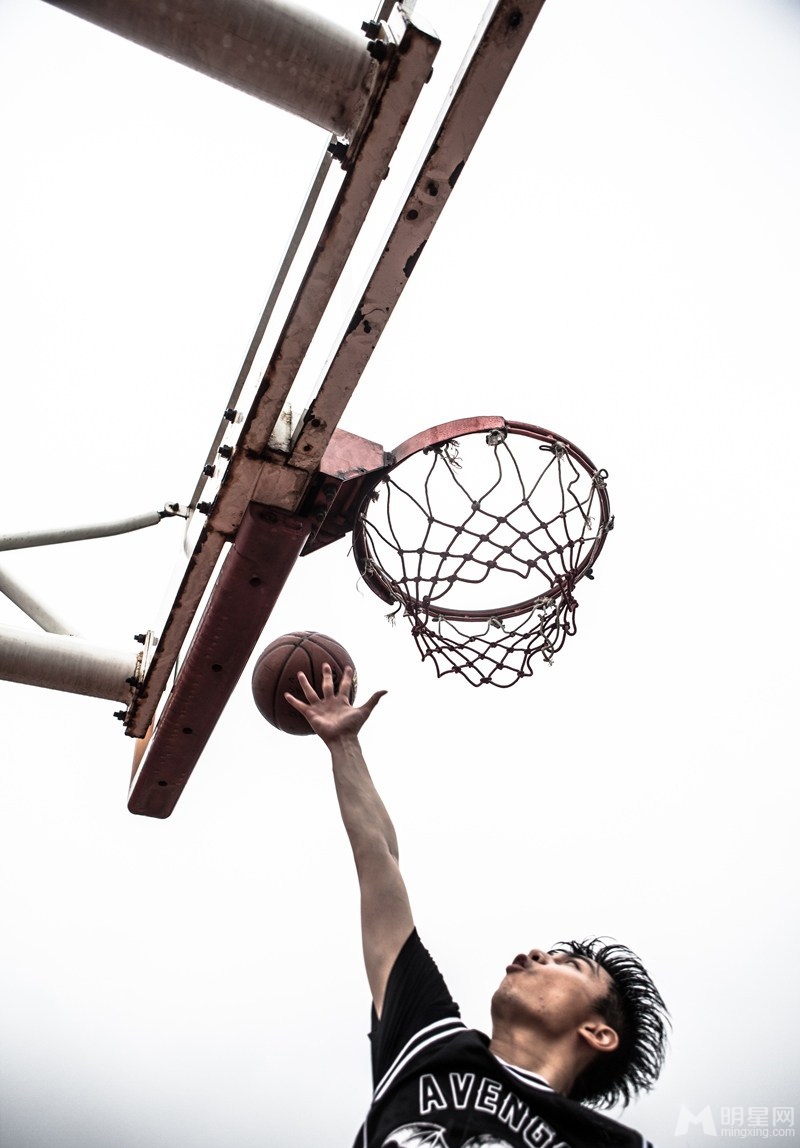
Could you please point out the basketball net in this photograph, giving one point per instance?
(480, 541)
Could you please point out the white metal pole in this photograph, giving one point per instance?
(278, 52)
(69, 664)
(79, 533)
(31, 606)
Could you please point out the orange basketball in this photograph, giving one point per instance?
(276, 673)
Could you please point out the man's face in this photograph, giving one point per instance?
(552, 992)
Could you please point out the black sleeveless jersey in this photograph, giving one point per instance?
(437, 1085)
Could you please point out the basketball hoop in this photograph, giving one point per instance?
(479, 533)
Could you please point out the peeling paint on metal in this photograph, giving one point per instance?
(411, 262)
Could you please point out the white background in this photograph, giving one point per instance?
(619, 262)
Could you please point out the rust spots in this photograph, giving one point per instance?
(455, 173)
(356, 321)
(411, 262)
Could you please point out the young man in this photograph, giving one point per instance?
(582, 1022)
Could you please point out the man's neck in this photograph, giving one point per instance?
(526, 1050)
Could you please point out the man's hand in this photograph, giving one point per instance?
(331, 716)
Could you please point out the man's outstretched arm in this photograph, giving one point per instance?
(386, 920)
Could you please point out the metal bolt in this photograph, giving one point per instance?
(140, 638)
(338, 150)
(209, 470)
(226, 451)
(204, 507)
(132, 681)
(120, 715)
(230, 414)
(371, 29)
(378, 49)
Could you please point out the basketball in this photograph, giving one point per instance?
(276, 673)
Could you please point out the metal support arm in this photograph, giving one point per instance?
(58, 662)
(59, 534)
(278, 52)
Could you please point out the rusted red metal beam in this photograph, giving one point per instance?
(246, 476)
(267, 546)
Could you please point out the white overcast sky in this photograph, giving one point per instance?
(620, 262)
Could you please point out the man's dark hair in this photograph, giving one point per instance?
(635, 1010)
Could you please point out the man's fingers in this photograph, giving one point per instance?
(316, 703)
(307, 688)
(370, 703)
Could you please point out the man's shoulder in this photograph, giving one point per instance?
(581, 1125)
